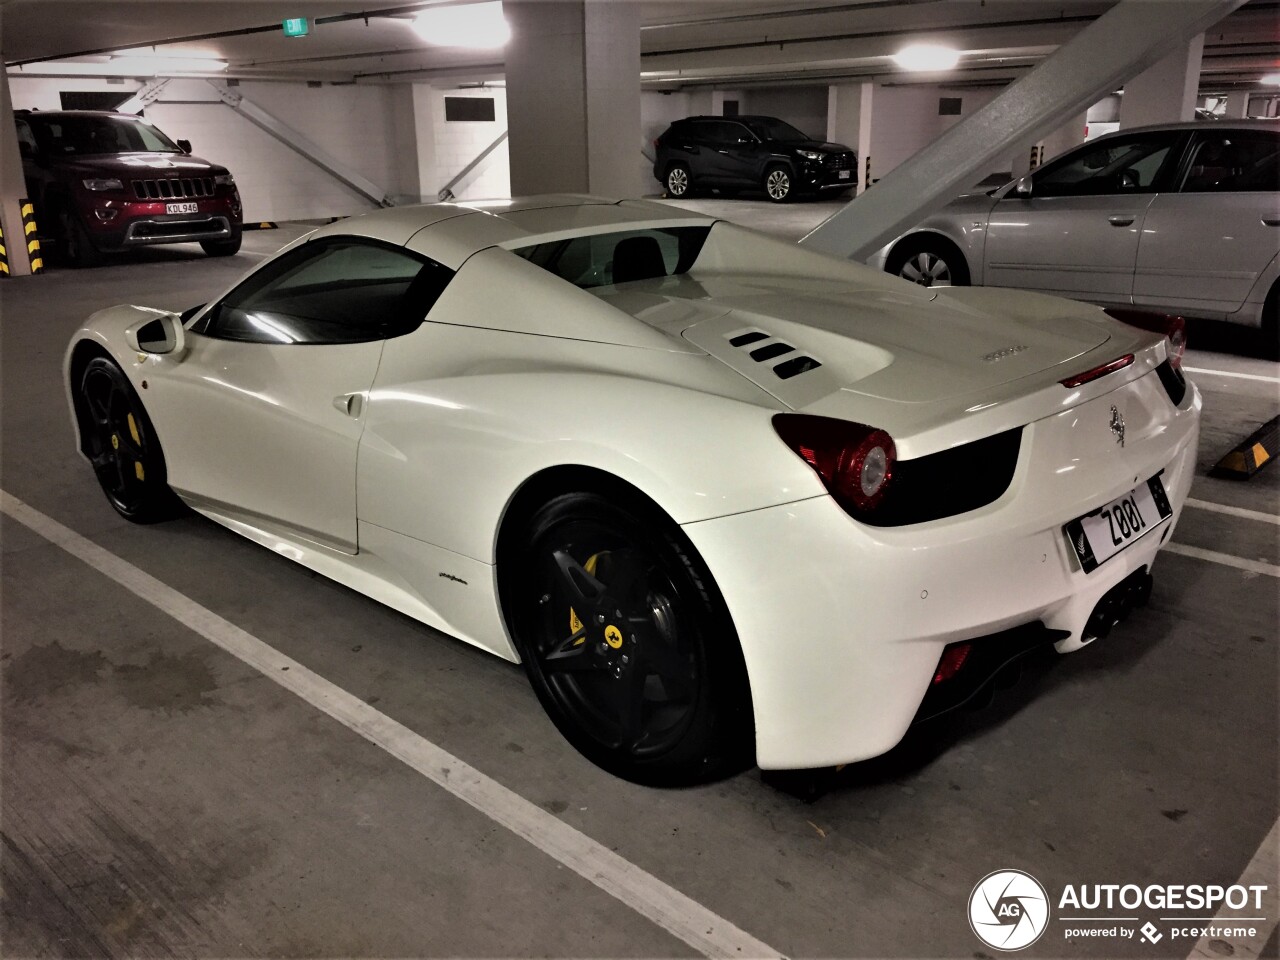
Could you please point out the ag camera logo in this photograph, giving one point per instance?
(1008, 910)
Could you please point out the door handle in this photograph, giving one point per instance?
(1271, 221)
(1120, 221)
(725, 152)
(352, 404)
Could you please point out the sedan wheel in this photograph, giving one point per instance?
(122, 446)
(927, 269)
(628, 646)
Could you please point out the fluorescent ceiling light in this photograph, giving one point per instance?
(476, 26)
(926, 57)
(1271, 78)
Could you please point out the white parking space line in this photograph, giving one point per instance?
(683, 917)
(1226, 559)
(1264, 868)
(1234, 511)
(1234, 376)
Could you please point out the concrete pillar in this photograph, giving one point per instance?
(424, 139)
(406, 186)
(12, 187)
(849, 122)
(1237, 105)
(573, 97)
(1167, 91)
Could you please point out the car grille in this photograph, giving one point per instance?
(838, 161)
(175, 189)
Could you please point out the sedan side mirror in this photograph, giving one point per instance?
(185, 146)
(160, 336)
(1023, 188)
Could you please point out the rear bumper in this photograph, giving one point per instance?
(842, 647)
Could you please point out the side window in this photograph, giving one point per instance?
(335, 290)
(1233, 161)
(26, 139)
(1110, 167)
(600, 259)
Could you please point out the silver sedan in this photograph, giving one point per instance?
(1182, 218)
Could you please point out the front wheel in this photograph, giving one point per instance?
(77, 246)
(628, 644)
(221, 248)
(778, 184)
(929, 263)
(122, 445)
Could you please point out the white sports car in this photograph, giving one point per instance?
(723, 497)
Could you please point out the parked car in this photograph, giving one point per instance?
(1182, 219)
(749, 151)
(104, 182)
(722, 496)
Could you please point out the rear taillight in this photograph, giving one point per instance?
(953, 658)
(1111, 366)
(854, 461)
(1174, 328)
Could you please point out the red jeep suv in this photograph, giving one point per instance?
(104, 182)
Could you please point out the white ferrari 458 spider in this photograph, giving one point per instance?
(725, 498)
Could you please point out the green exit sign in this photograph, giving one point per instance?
(295, 27)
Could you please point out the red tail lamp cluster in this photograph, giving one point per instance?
(1173, 328)
(854, 461)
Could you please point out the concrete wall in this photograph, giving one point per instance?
(905, 119)
(456, 143)
(802, 107)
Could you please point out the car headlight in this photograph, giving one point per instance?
(810, 154)
(224, 180)
(98, 186)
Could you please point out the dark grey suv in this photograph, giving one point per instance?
(750, 151)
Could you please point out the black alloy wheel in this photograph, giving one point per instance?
(628, 644)
(122, 445)
(77, 246)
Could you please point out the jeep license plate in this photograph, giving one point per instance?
(182, 208)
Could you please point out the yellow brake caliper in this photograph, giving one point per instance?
(574, 623)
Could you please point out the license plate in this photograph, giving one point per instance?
(843, 175)
(1100, 535)
(182, 208)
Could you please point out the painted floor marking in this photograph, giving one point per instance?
(1234, 511)
(706, 932)
(1226, 559)
(1234, 376)
(1264, 868)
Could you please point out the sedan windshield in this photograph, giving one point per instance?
(767, 128)
(83, 134)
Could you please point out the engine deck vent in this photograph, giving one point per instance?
(795, 366)
(742, 339)
(769, 351)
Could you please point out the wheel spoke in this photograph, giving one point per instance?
(584, 590)
(910, 272)
(627, 574)
(572, 655)
(631, 708)
(667, 663)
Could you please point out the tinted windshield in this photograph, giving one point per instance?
(767, 128)
(82, 134)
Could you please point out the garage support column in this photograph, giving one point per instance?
(12, 188)
(849, 122)
(1165, 92)
(1237, 105)
(573, 97)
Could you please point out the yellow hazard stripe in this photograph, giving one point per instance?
(33, 247)
(37, 264)
(4, 268)
(30, 226)
(1260, 455)
(28, 210)
(3, 251)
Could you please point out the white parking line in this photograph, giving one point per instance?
(1233, 511)
(1264, 868)
(1226, 559)
(683, 917)
(1234, 376)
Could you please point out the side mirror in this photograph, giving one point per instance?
(1023, 188)
(160, 336)
(184, 146)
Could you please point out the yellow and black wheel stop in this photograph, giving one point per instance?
(1259, 448)
(4, 255)
(29, 230)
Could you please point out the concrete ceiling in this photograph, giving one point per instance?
(722, 42)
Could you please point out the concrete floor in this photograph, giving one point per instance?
(161, 798)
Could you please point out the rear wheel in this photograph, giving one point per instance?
(628, 644)
(778, 184)
(122, 445)
(1271, 324)
(930, 262)
(678, 182)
